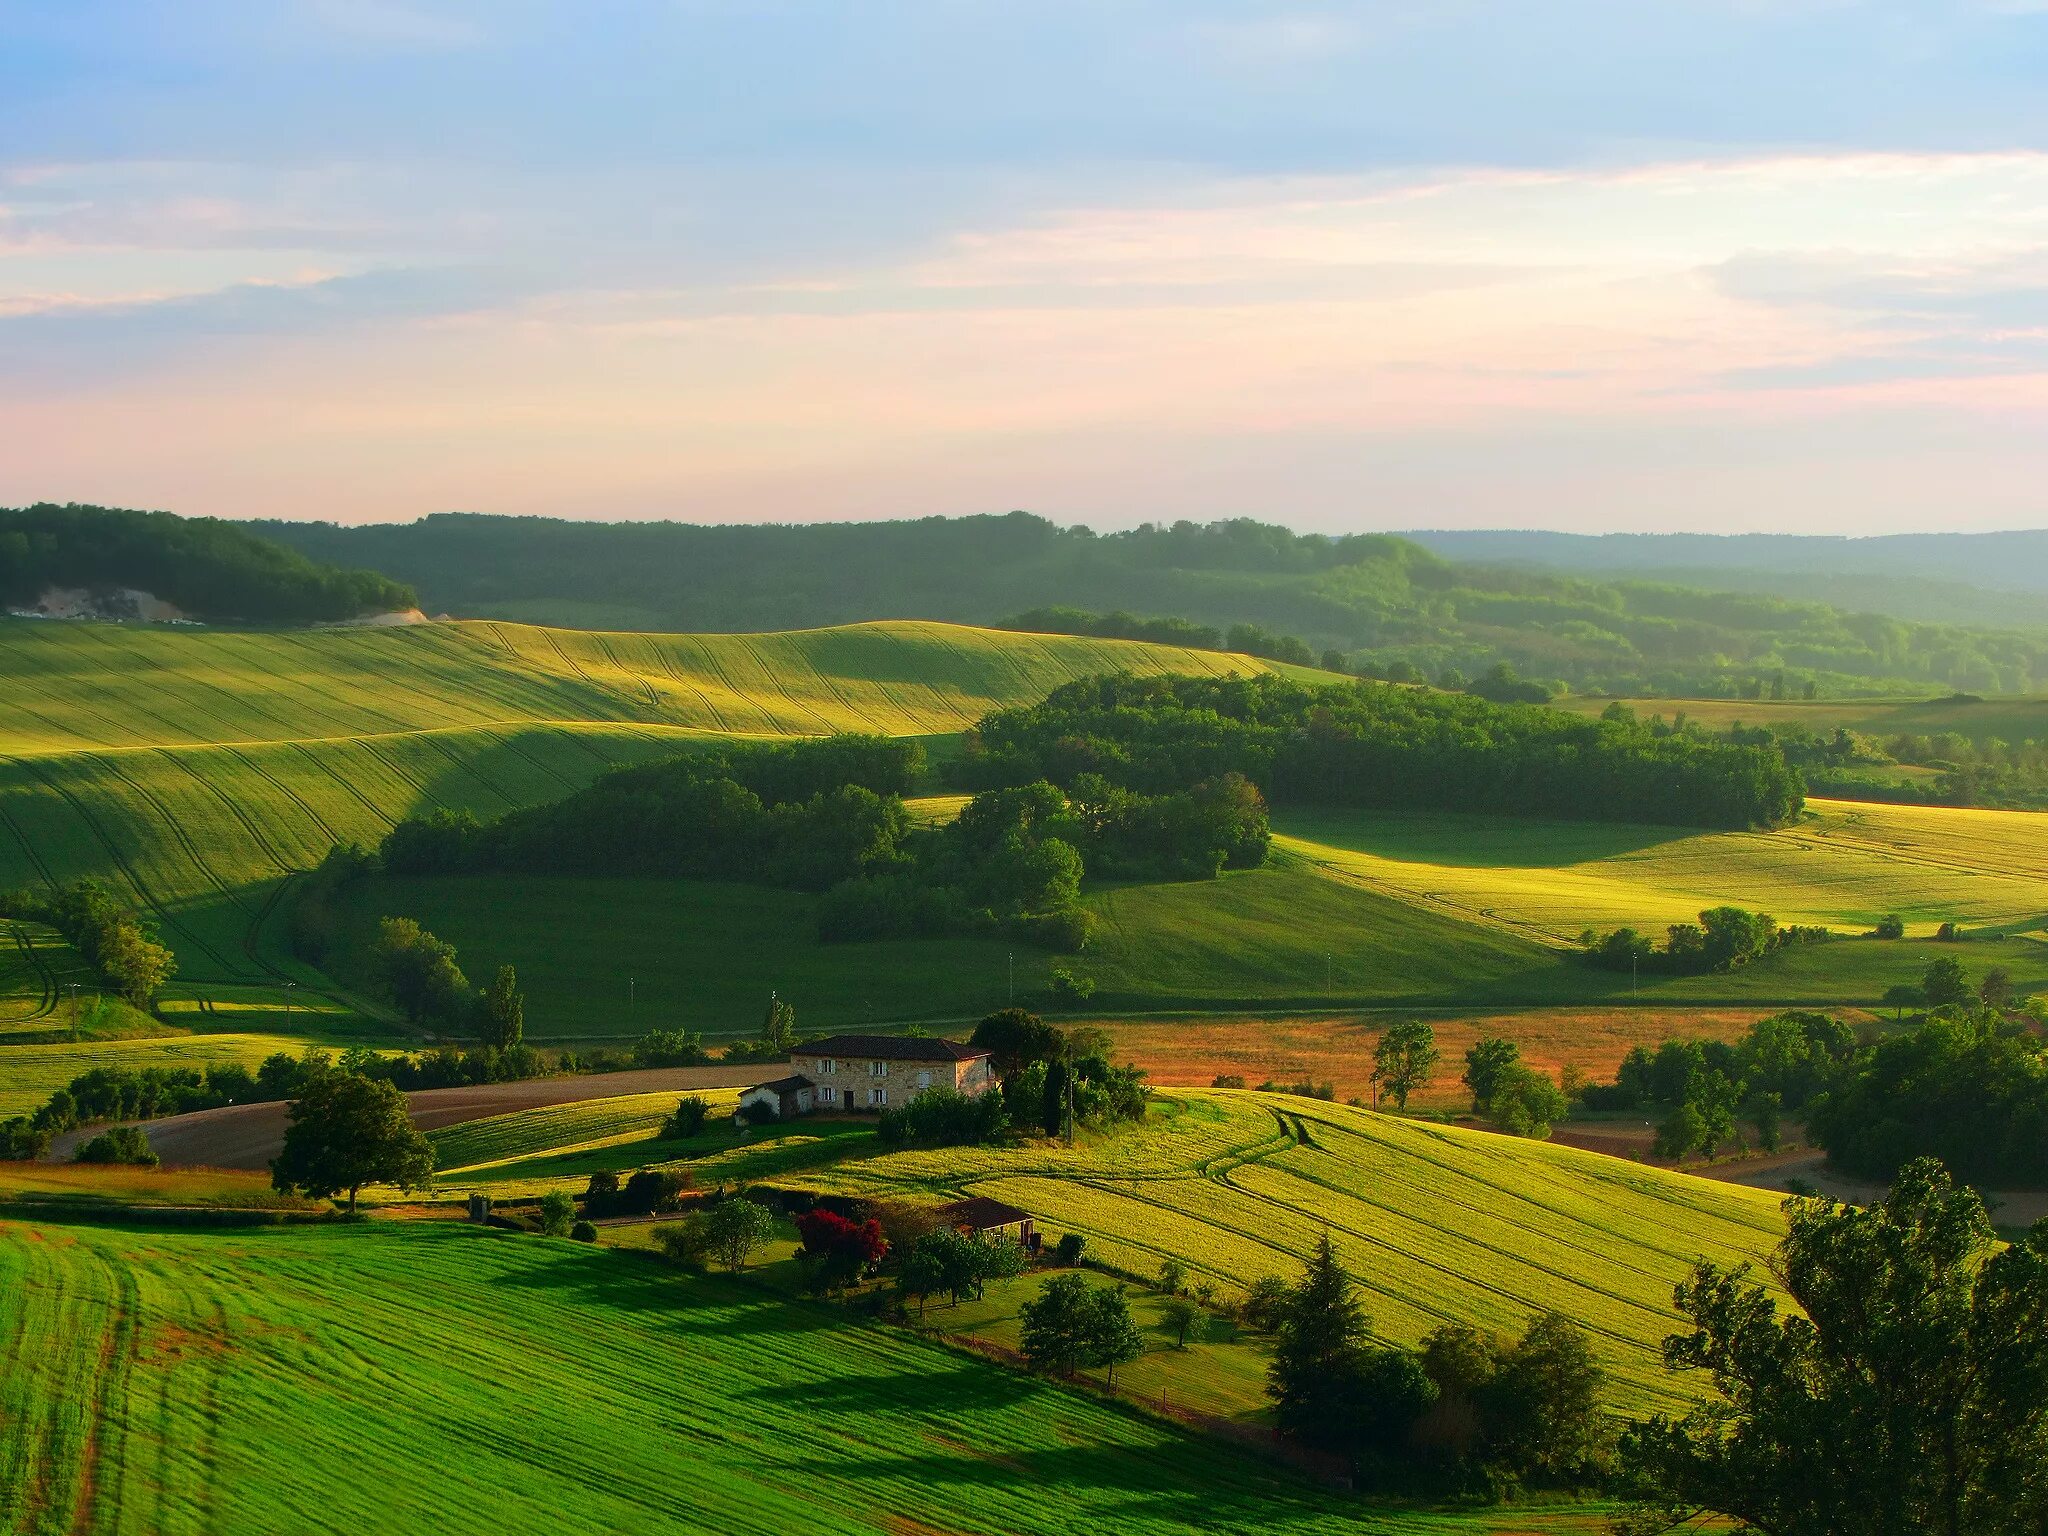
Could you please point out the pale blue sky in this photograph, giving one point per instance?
(1585, 264)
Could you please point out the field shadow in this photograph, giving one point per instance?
(965, 1389)
(1477, 841)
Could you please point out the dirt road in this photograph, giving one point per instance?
(249, 1135)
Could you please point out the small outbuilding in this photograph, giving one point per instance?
(978, 1215)
(785, 1099)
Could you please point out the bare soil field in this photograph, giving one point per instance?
(249, 1135)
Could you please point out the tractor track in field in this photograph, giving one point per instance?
(120, 862)
(46, 979)
(235, 809)
(287, 791)
(171, 824)
(342, 781)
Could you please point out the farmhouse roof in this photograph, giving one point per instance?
(782, 1085)
(889, 1048)
(981, 1213)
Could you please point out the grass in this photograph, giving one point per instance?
(360, 1377)
(706, 955)
(586, 1124)
(1844, 864)
(1440, 1224)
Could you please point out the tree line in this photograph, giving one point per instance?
(1724, 939)
(110, 938)
(209, 568)
(1379, 745)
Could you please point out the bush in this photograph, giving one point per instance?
(650, 1191)
(944, 1117)
(122, 1144)
(686, 1242)
(1227, 1080)
(690, 1113)
(670, 1048)
(583, 1232)
(1890, 926)
(1067, 1251)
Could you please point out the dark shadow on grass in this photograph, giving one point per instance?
(701, 1304)
(967, 1387)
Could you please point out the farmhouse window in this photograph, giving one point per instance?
(924, 1079)
(827, 1066)
(825, 1095)
(878, 1069)
(878, 1095)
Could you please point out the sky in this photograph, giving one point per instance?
(1721, 265)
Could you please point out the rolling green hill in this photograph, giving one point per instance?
(1440, 1224)
(357, 1378)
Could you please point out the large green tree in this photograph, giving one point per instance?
(347, 1131)
(1908, 1391)
(1405, 1059)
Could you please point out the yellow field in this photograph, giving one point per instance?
(30, 1073)
(1844, 865)
(1438, 1223)
(93, 685)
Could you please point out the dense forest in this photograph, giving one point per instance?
(1378, 744)
(1387, 605)
(210, 569)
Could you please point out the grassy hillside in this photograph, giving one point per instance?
(74, 686)
(1843, 865)
(1440, 1224)
(346, 1379)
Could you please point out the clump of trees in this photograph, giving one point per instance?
(1467, 1410)
(210, 568)
(1376, 744)
(947, 1261)
(1071, 1325)
(119, 1144)
(1724, 939)
(110, 937)
(944, 1117)
(1508, 1093)
(1702, 1087)
(1057, 1079)
(1906, 1388)
(1968, 1087)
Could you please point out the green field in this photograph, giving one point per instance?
(584, 1125)
(1843, 865)
(1439, 1224)
(433, 1377)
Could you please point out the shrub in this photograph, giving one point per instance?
(944, 1117)
(686, 1242)
(670, 1048)
(1069, 990)
(121, 1144)
(1227, 1080)
(1890, 926)
(650, 1191)
(583, 1232)
(690, 1113)
(1067, 1251)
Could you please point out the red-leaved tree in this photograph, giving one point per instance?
(836, 1251)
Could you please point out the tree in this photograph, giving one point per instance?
(1057, 1324)
(1908, 1392)
(1995, 991)
(1944, 984)
(1524, 1102)
(1542, 1406)
(1405, 1059)
(1052, 1110)
(1180, 1315)
(1486, 1065)
(1903, 996)
(778, 1028)
(501, 1013)
(1113, 1338)
(1319, 1354)
(418, 971)
(557, 1212)
(1014, 1039)
(1173, 1276)
(735, 1228)
(347, 1131)
(836, 1250)
(1890, 926)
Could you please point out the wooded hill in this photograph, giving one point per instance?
(1387, 604)
(210, 569)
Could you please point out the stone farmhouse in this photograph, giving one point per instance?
(867, 1073)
